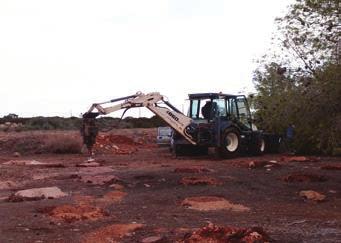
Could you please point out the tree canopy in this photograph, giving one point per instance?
(300, 84)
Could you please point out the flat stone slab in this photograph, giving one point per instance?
(211, 203)
(89, 164)
(99, 179)
(152, 239)
(33, 163)
(23, 162)
(37, 194)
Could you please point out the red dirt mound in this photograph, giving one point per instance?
(217, 234)
(303, 177)
(199, 180)
(112, 233)
(72, 213)
(117, 144)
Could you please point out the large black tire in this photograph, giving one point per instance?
(258, 146)
(230, 143)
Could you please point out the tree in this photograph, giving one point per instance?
(303, 86)
(310, 32)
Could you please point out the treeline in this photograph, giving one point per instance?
(299, 82)
(10, 123)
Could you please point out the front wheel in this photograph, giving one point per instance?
(230, 143)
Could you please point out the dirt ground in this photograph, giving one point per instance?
(144, 194)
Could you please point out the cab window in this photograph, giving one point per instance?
(243, 111)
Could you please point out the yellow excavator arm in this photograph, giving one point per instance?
(156, 103)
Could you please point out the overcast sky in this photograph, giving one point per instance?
(58, 57)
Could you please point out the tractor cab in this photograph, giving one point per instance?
(210, 107)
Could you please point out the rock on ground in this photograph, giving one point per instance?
(99, 179)
(37, 194)
(33, 163)
(117, 186)
(23, 162)
(263, 164)
(88, 164)
(95, 170)
(152, 239)
(312, 195)
(209, 203)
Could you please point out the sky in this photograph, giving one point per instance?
(59, 57)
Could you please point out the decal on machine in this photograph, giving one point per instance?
(173, 116)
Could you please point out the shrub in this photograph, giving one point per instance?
(62, 144)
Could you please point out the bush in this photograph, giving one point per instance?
(43, 144)
(62, 144)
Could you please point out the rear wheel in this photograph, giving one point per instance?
(230, 143)
(258, 147)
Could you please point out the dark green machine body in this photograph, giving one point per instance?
(222, 121)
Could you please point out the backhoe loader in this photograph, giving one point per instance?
(217, 120)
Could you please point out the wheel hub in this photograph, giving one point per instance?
(232, 142)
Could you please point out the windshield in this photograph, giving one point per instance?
(207, 108)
